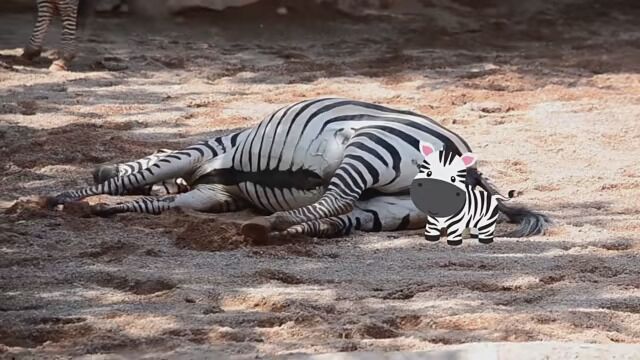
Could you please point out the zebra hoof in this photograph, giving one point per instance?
(102, 210)
(454, 242)
(103, 173)
(432, 238)
(52, 202)
(257, 229)
(58, 65)
(29, 54)
(486, 241)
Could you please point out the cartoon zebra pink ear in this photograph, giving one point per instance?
(426, 149)
(469, 159)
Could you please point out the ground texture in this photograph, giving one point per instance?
(550, 99)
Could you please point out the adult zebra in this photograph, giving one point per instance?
(70, 11)
(322, 167)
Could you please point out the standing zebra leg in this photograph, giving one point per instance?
(46, 10)
(383, 213)
(206, 198)
(69, 13)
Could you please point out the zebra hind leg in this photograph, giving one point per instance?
(382, 213)
(358, 171)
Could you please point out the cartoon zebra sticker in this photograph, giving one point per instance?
(451, 205)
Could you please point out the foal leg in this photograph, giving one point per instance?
(69, 14)
(46, 11)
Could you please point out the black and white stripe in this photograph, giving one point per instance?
(318, 162)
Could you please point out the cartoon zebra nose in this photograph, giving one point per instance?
(458, 193)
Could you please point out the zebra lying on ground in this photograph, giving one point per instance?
(440, 191)
(321, 167)
(69, 11)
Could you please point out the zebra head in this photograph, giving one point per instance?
(440, 189)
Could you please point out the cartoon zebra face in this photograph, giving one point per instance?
(439, 189)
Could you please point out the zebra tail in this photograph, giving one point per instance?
(531, 222)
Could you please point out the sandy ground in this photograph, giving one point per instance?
(551, 105)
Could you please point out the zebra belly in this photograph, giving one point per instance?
(271, 190)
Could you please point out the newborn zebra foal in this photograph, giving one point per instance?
(321, 167)
(68, 11)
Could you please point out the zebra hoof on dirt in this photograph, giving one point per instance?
(58, 65)
(52, 202)
(103, 210)
(257, 229)
(103, 173)
(29, 54)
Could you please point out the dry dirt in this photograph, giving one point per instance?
(550, 100)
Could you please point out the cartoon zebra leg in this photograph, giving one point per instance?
(46, 9)
(68, 13)
(211, 198)
(487, 228)
(432, 230)
(174, 165)
(383, 213)
(455, 229)
(358, 171)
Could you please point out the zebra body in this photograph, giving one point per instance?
(441, 191)
(321, 167)
(46, 11)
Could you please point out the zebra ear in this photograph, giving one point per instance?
(469, 159)
(425, 148)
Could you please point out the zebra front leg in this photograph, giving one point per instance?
(205, 198)
(46, 10)
(103, 173)
(69, 13)
(174, 165)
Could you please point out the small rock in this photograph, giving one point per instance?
(488, 107)
(213, 309)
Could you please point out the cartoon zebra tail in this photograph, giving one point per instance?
(531, 222)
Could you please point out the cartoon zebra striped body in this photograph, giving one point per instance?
(441, 191)
(321, 167)
(47, 9)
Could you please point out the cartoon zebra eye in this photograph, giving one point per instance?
(453, 179)
(429, 173)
